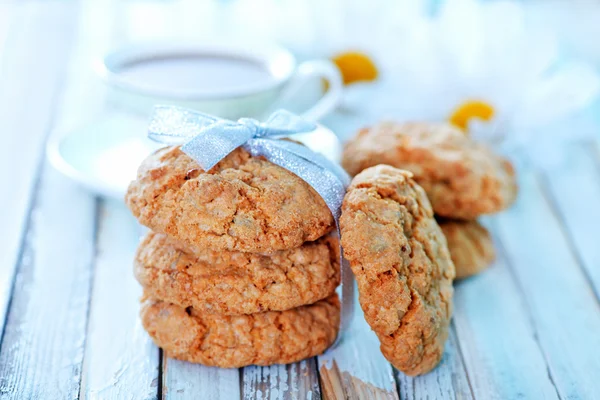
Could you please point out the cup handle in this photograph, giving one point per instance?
(317, 69)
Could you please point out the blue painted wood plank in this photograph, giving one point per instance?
(447, 381)
(355, 368)
(499, 343)
(42, 348)
(35, 45)
(295, 381)
(560, 300)
(574, 192)
(183, 380)
(120, 359)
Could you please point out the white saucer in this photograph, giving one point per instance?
(104, 156)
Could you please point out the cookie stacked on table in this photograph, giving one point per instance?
(239, 267)
(463, 180)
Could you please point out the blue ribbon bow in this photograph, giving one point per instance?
(209, 139)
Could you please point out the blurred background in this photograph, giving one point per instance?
(523, 76)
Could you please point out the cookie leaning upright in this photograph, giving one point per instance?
(462, 178)
(402, 266)
(244, 203)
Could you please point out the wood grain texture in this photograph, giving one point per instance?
(295, 381)
(121, 362)
(573, 190)
(560, 300)
(497, 339)
(355, 367)
(183, 380)
(448, 380)
(36, 46)
(337, 384)
(42, 347)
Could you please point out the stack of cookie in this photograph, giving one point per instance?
(463, 180)
(240, 267)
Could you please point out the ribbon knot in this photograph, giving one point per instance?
(255, 126)
(209, 139)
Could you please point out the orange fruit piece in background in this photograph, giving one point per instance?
(461, 116)
(355, 67)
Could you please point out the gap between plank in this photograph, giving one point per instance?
(85, 364)
(542, 181)
(159, 389)
(462, 357)
(22, 245)
(528, 311)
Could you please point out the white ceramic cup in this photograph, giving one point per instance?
(250, 100)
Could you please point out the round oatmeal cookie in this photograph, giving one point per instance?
(470, 244)
(273, 337)
(462, 178)
(402, 266)
(244, 203)
(228, 282)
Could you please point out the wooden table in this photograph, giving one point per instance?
(529, 327)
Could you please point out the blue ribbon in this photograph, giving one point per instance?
(208, 139)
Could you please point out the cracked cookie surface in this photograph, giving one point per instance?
(234, 282)
(273, 337)
(244, 203)
(470, 244)
(402, 266)
(463, 179)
